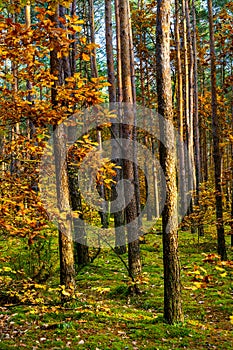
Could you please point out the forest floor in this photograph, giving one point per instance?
(104, 316)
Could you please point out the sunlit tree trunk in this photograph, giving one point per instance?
(136, 175)
(172, 284)
(67, 271)
(180, 108)
(217, 157)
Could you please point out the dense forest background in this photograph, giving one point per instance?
(75, 76)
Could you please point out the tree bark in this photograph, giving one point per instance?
(180, 109)
(119, 219)
(172, 284)
(128, 133)
(217, 157)
(67, 271)
(196, 119)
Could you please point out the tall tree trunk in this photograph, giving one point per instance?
(109, 51)
(94, 74)
(196, 118)
(180, 109)
(188, 95)
(81, 251)
(136, 175)
(172, 284)
(67, 271)
(128, 131)
(118, 45)
(120, 239)
(217, 157)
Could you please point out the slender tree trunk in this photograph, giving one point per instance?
(172, 284)
(81, 251)
(128, 133)
(180, 110)
(67, 271)
(94, 74)
(109, 51)
(136, 175)
(217, 157)
(118, 42)
(188, 52)
(196, 119)
(155, 184)
(120, 239)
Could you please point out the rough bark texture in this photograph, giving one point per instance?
(180, 108)
(67, 271)
(217, 157)
(109, 51)
(128, 133)
(118, 42)
(120, 239)
(81, 251)
(196, 119)
(172, 284)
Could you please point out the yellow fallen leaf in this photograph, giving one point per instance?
(223, 274)
(219, 268)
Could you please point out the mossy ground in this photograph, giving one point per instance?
(104, 315)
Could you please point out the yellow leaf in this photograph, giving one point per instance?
(202, 269)
(219, 268)
(223, 274)
(77, 28)
(83, 40)
(64, 292)
(85, 57)
(197, 285)
(231, 319)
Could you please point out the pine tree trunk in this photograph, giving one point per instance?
(217, 157)
(118, 44)
(196, 119)
(172, 284)
(180, 109)
(120, 239)
(128, 133)
(67, 271)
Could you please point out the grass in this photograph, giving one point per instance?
(104, 316)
